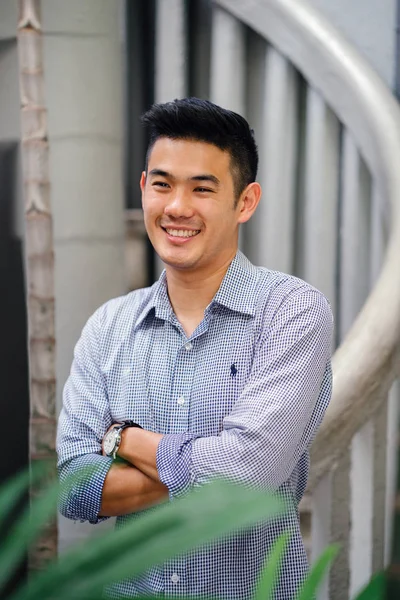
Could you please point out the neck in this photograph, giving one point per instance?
(191, 292)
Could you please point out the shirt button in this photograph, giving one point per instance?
(175, 578)
(188, 346)
(181, 401)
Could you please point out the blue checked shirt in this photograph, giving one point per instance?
(242, 398)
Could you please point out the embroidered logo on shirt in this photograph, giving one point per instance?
(233, 370)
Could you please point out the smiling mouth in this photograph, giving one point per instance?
(183, 233)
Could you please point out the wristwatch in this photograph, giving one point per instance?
(112, 439)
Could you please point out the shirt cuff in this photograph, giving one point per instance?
(82, 499)
(174, 461)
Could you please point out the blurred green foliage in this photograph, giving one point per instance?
(171, 529)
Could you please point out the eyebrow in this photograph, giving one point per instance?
(202, 177)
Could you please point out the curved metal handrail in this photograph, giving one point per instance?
(368, 360)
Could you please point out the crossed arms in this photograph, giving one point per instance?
(127, 489)
(270, 427)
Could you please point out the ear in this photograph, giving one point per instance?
(143, 181)
(248, 201)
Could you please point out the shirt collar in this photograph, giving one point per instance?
(236, 292)
(238, 287)
(157, 301)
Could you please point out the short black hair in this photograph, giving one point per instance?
(204, 121)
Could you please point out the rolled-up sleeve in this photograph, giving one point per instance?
(278, 413)
(84, 419)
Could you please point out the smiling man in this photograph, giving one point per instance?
(220, 369)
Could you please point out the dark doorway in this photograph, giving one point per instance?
(14, 395)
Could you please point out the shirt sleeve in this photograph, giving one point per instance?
(278, 413)
(84, 419)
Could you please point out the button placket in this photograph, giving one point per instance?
(175, 578)
(183, 379)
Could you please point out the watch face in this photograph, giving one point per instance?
(109, 441)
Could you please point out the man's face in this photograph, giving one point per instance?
(189, 204)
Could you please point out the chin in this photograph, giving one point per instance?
(178, 262)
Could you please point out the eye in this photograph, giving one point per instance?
(204, 190)
(161, 184)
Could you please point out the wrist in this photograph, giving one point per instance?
(129, 438)
(139, 448)
(113, 438)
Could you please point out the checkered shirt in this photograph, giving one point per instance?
(242, 398)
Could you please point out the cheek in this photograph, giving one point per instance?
(222, 217)
(149, 220)
(152, 207)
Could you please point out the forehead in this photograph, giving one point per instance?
(188, 157)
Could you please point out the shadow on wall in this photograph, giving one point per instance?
(14, 398)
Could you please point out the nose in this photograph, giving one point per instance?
(179, 206)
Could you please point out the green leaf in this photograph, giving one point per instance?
(151, 597)
(10, 494)
(270, 572)
(12, 490)
(375, 590)
(166, 531)
(317, 573)
(28, 527)
(16, 543)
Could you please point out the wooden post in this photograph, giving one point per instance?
(39, 257)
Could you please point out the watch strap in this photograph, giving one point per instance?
(128, 423)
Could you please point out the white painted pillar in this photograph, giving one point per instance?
(83, 79)
(228, 62)
(385, 451)
(361, 494)
(380, 460)
(321, 525)
(355, 241)
(228, 68)
(316, 254)
(353, 290)
(391, 467)
(271, 242)
(170, 60)
(331, 524)
(171, 51)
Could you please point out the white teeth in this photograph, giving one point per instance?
(182, 232)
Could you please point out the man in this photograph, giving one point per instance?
(224, 366)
